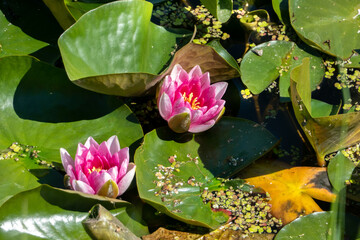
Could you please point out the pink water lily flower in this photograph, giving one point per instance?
(99, 169)
(188, 102)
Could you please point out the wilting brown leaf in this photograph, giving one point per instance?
(218, 234)
(292, 191)
(326, 134)
(164, 234)
(209, 59)
(228, 234)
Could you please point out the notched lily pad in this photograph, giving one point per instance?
(173, 169)
(277, 59)
(99, 54)
(13, 41)
(330, 26)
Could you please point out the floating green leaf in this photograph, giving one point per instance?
(40, 107)
(337, 178)
(221, 9)
(266, 62)
(326, 134)
(303, 227)
(331, 26)
(15, 179)
(13, 41)
(42, 213)
(225, 149)
(100, 54)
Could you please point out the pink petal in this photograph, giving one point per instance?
(82, 187)
(82, 177)
(182, 110)
(113, 173)
(124, 164)
(165, 106)
(98, 181)
(66, 159)
(113, 144)
(205, 80)
(70, 171)
(196, 128)
(91, 142)
(175, 71)
(125, 182)
(104, 150)
(220, 89)
(211, 113)
(196, 115)
(81, 150)
(195, 71)
(182, 77)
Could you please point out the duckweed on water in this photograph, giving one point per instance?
(17, 151)
(248, 212)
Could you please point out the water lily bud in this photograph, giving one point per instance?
(188, 102)
(99, 169)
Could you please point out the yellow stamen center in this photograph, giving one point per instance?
(193, 101)
(95, 169)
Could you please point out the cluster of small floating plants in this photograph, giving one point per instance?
(172, 14)
(249, 212)
(17, 151)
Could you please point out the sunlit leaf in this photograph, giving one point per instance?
(108, 58)
(338, 179)
(40, 107)
(223, 150)
(51, 213)
(14, 42)
(292, 191)
(315, 226)
(266, 62)
(331, 26)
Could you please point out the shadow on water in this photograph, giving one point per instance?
(45, 94)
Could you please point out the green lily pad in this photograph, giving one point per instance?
(266, 62)
(15, 179)
(340, 169)
(303, 227)
(34, 19)
(221, 9)
(326, 134)
(40, 107)
(122, 58)
(13, 41)
(330, 26)
(225, 149)
(42, 213)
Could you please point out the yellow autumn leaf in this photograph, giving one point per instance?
(292, 191)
